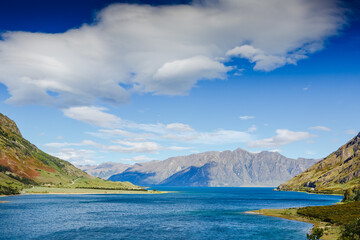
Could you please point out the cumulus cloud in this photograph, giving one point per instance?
(283, 137)
(321, 128)
(160, 49)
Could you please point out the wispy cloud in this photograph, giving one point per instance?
(321, 128)
(246, 117)
(76, 156)
(67, 144)
(140, 158)
(283, 137)
(93, 115)
(253, 128)
(133, 147)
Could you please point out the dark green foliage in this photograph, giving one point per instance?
(4, 169)
(10, 188)
(351, 231)
(339, 214)
(352, 195)
(316, 234)
(24, 180)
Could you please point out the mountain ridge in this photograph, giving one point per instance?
(226, 168)
(334, 174)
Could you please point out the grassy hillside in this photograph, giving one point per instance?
(22, 164)
(334, 174)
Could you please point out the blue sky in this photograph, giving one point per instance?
(94, 81)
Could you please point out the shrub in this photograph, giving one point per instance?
(351, 231)
(316, 234)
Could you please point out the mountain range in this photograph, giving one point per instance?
(221, 169)
(334, 174)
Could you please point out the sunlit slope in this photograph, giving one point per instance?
(23, 164)
(334, 174)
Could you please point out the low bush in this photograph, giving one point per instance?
(339, 214)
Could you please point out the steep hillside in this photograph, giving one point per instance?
(335, 173)
(228, 169)
(23, 164)
(104, 170)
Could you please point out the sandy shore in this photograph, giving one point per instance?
(332, 232)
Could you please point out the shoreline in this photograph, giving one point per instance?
(331, 232)
(79, 191)
(318, 193)
(47, 190)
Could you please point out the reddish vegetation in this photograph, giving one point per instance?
(24, 167)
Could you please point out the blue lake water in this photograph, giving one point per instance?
(190, 213)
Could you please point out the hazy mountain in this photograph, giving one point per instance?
(335, 173)
(23, 164)
(228, 168)
(104, 170)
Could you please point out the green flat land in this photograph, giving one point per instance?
(51, 190)
(330, 218)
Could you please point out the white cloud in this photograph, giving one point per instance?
(283, 137)
(93, 115)
(219, 136)
(133, 147)
(76, 156)
(160, 49)
(275, 150)
(321, 128)
(66, 144)
(179, 127)
(141, 158)
(263, 61)
(177, 148)
(246, 117)
(179, 76)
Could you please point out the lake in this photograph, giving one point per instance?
(188, 213)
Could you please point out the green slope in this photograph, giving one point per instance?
(334, 174)
(22, 164)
